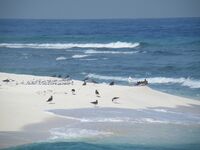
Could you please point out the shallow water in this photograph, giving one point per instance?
(92, 146)
(142, 126)
(114, 128)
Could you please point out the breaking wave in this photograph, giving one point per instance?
(109, 52)
(152, 80)
(71, 133)
(79, 56)
(70, 45)
(61, 58)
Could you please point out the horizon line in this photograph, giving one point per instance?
(98, 18)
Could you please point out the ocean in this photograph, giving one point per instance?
(166, 52)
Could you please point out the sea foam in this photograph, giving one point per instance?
(70, 45)
(152, 80)
(79, 56)
(61, 58)
(109, 52)
(71, 133)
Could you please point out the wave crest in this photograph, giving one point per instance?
(71, 133)
(153, 80)
(70, 45)
(61, 58)
(91, 51)
(79, 56)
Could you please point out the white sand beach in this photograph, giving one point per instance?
(22, 104)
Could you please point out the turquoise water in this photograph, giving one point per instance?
(119, 129)
(88, 146)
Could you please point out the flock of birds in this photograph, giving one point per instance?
(67, 78)
(50, 99)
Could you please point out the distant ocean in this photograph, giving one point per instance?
(164, 51)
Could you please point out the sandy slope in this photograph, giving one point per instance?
(22, 104)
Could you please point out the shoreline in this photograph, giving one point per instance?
(15, 96)
(24, 107)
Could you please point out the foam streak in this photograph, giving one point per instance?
(70, 45)
(153, 80)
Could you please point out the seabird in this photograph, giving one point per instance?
(112, 83)
(95, 102)
(114, 98)
(73, 91)
(84, 83)
(97, 93)
(142, 83)
(50, 99)
(6, 80)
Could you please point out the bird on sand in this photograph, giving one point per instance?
(97, 93)
(95, 102)
(50, 99)
(112, 83)
(84, 83)
(73, 91)
(114, 98)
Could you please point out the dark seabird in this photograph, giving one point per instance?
(97, 93)
(95, 102)
(73, 91)
(84, 83)
(6, 80)
(114, 98)
(112, 83)
(142, 83)
(50, 99)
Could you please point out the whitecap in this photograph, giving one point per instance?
(71, 133)
(79, 56)
(161, 110)
(191, 83)
(118, 44)
(91, 51)
(61, 58)
(151, 120)
(125, 119)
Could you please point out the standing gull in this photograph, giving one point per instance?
(84, 83)
(73, 91)
(112, 83)
(97, 93)
(95, 102)
(50, 99)
(114, 98)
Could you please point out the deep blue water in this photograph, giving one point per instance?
(165, 51)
